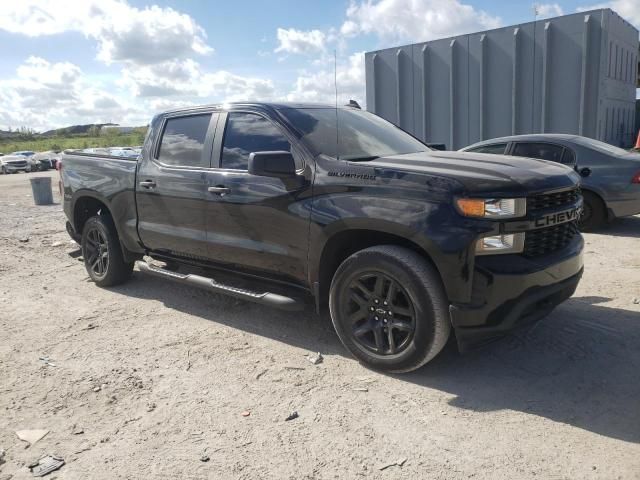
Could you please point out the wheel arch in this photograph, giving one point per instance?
(596, 192)
(86, 204)
(343, 242)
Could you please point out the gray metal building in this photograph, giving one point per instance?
(571, 74)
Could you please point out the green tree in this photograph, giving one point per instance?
(140, 134)
(111, 132)
(94, 131)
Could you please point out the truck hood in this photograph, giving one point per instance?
(485, 173)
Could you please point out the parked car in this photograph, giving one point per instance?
(610, 175)
(28, 154)
(44, 161)
(124, 152)
(96, 151)
(14, 163)
(402, 243)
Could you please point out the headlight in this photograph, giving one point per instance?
(492, 207)
(510, 243)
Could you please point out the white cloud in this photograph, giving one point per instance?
(546, 10)
(123, 33)
(299, 41)
(320, 86)
(415, 20)
(44, 95)
(627, 9)
(187, 79)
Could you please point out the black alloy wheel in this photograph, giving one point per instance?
(102, 252)
(97, 252)
(389, 308)
(381, 312)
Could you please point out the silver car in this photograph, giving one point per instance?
(610, 175)
(14, 163)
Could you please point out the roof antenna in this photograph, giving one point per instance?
(335, 83)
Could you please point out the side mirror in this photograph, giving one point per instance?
(278, 164)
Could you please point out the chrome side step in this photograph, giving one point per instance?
(265, 298)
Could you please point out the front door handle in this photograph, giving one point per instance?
(147, 184)
(219, 190)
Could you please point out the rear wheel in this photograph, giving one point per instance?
(102, 252)
(593, 213)
(389, 308)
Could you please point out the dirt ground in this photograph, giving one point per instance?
(157, 376)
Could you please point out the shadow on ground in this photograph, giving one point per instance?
(623, 227)
(579, 366)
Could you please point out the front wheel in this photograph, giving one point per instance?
(389, 308)
(593, 214)
(102, 253)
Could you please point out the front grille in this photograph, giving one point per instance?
(18, 164)
(552, 200)
(548, 240)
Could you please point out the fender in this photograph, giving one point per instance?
(119, 211)
(454, 266)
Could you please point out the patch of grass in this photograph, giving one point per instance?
(71, 142)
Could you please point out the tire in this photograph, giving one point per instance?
(594, 214)
(100, 239)
(417, 319)
(4, 170)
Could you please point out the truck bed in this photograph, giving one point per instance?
(106, 178)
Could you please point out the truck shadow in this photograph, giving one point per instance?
(622, 227)
(579, 366)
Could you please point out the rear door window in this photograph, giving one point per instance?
(496, 149)
(183, 141)
(543, 151)
(246, 133)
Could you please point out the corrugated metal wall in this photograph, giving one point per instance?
(570, 74)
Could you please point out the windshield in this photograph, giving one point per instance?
(361, 135)
(601, 146)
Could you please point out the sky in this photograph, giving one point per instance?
(66, 62)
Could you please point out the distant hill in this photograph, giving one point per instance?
(7, 134)
(74, 129)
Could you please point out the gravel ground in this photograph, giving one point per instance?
(157, 377)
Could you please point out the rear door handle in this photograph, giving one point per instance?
(219, 190)
(147, 184)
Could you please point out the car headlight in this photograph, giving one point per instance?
(500, 244)
(492, 207)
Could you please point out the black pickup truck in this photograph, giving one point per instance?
(402, 243)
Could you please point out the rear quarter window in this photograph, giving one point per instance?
(182, 142)
(542, 151)
(496, 149)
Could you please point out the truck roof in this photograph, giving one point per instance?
(266, 105)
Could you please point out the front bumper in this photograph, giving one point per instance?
(509, 293)
(13, 168)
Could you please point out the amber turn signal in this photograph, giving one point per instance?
(471, 207)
